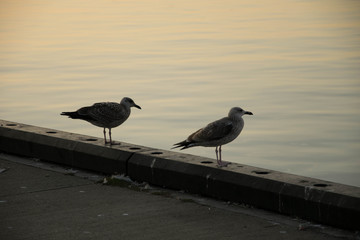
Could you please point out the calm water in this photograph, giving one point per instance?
(294, 64)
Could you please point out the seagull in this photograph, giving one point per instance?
(217, 133)
(105, 114)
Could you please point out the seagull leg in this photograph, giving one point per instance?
(220, 162)
(217, 156)
(111, 142)
(105, 136)
(110, 136)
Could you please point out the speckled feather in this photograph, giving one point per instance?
(105, 114)
(213, 131)
(217, 133)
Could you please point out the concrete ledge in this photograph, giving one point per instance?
(313, 199)
(65, 148)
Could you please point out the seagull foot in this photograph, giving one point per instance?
(223, 164)
(112, 143)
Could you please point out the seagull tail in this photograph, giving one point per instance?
(73, 115)
(183, 145)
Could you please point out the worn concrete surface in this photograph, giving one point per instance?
(45, 201)
(317, 200)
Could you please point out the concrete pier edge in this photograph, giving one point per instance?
(308, 198)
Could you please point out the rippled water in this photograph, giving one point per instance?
(294, 64)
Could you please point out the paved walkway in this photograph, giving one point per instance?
(45, 201)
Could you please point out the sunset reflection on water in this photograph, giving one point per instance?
(294, 64)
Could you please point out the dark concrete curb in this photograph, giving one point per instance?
(316, 200)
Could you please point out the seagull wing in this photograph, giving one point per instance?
(213, 131)
(105, 111)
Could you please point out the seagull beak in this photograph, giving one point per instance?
(248, 113)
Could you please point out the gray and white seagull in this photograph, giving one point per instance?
(105, 114)
(217, 133)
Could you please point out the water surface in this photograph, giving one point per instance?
(294, 64)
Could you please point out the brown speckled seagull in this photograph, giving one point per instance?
(217, 133)
(105, 114)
